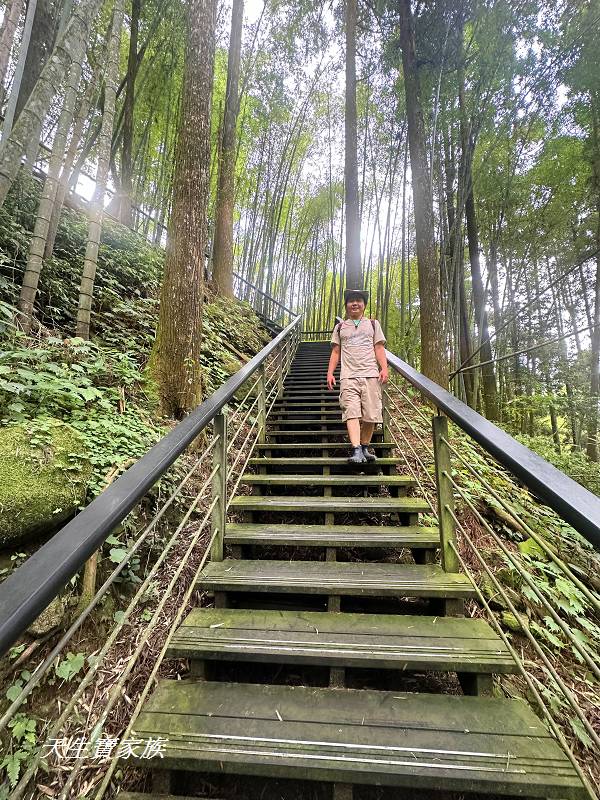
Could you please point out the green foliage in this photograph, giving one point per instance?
(86, 385)
(571, 461)
(70, 666)
(228, 328)
(127, 278)
(21, 749)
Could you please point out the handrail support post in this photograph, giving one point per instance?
(219, 486)
(445, 494)
(280, 370)
(385, 415)
(262, 405)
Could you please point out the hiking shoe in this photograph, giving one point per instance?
(357, 456)
(368, 454)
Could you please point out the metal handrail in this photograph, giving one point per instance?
(571, 501)
(32, 586)
(264, 294)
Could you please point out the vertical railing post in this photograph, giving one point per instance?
(280, 359)
(219, 485)
(445, 494)
(262, 405)
(386, 415)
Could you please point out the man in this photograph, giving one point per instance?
(360, 344)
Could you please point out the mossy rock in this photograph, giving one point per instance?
(493, 596)
(514, 624)
(50, 618)
(44, 474)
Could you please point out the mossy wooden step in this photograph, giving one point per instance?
(397, 481)
(320, 446)
(330, 406)
(333, 505)
(425, 741)
(413, 536)
(293, 413)
(312, 400)
(286, 423)
(306, 386)
(152, 796)
(332, 430)
(320, 461)
(314, 395)
(311, 368)
(374, 641)
(343, 578)
(302, 390)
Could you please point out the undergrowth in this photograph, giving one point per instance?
(103, 389)
(413, 433)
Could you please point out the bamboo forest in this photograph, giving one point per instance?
(299, 399)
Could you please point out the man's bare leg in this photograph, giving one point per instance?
(354, 432)
(366, 432)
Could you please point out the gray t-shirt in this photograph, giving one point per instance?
(357, 345)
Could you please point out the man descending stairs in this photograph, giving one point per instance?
(292, 601)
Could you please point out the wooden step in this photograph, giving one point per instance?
(314, 397)
(398, 481)
(333, 505)
(328, 405)
(331, 430)
(425, 741)
(308, 394)
(286, 422)
(306, 386)
(377, 446)
(320, 461)
(301, 388)
(293, 413)
(343, 578)
(311, 367)
(369, 536)
(153, 796)
(374, 641)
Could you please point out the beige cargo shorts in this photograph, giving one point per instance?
(360, 398)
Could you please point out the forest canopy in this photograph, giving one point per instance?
(474, 221)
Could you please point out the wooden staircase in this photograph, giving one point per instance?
(333, 647)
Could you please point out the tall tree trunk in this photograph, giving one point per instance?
(36, 107)
(15, 90)
(96, 214)
(354, 276)
(12, 15)
(126, 192)
(490, 390)
(592, 427)
(176, 355)
(41, 44)
(44, 213)
(223, 244)
(63, 181)
(433, 349)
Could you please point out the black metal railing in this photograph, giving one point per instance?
(32, 586)
(266, 306)
(450, 468)
(571, 501)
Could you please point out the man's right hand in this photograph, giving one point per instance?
(331, 381)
